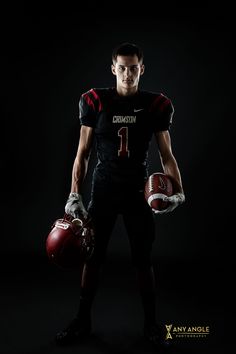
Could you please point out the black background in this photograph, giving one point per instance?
(49, 56)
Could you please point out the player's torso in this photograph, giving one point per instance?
(124, 126)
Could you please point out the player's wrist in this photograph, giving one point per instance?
(181, 197)
(177, 198)
(74, 195)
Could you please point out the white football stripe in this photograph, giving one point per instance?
(156, 196)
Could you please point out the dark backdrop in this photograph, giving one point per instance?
(49, 56)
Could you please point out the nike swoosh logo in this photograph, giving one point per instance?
(138, 110)
(162, 184)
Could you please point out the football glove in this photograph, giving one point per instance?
(75, 207)
(174, 200)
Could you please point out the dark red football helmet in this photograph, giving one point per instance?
(70, 242)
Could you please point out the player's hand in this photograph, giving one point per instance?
(174, 200)
(75, 207)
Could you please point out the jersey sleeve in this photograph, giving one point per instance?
(89, 107)
(162, 110)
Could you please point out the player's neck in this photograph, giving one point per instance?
(123, 91)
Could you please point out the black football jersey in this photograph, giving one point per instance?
(123, 127)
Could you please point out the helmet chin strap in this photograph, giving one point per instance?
(77, 222)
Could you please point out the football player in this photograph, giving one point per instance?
(122, 120)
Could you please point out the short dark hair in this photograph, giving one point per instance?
(127, 49)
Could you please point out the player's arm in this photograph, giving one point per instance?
(74, 205)
(170, 167)
(82, 158)
(167, 158)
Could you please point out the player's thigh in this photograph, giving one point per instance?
(103, 223)
(140, 228)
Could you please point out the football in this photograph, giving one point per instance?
(157, 186)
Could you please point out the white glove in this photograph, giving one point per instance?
(175, 200)
(74, 206)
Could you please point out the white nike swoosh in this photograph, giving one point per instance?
(138, 110)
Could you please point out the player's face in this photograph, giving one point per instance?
(127, 70)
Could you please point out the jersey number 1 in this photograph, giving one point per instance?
(123, 134)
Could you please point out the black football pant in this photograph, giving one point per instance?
(139, 223)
